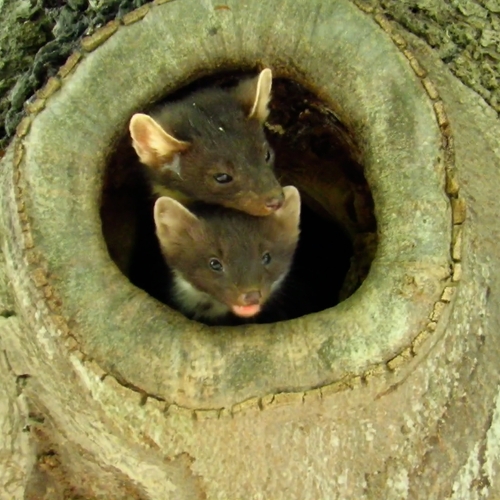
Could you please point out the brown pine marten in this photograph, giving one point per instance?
(226, 264)
(210, 146)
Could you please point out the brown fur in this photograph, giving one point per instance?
(189, 239)
(185, 144)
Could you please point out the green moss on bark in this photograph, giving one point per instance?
(36, 37)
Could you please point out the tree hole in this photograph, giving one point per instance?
(316, 152)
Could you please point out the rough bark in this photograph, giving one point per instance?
(38, 36)
(423, 424)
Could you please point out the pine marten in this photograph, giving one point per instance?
(226, 264)
(210, 146)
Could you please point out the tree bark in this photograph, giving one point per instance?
(410, 409)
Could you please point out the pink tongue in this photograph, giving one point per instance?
(246, 311)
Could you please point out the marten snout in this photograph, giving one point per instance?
(249, 304)
(250, 298)
(276, 202)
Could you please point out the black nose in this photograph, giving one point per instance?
(276, 202)
(251, 298)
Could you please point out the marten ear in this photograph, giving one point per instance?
(155, 147)
(174, 222)
(255, 94)
(288, 215)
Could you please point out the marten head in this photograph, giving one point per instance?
(225, 260)
(211, 147)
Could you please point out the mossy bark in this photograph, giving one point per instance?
(36, 38)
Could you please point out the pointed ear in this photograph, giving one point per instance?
(288, 216)
(174, 222)
(255, 95)
(155, 147)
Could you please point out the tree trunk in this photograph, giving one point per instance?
(393, 393)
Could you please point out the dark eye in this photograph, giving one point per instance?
(216, 265)
(269, 155)
(223, 178)
(266, 258)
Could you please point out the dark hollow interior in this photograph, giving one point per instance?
(315, 152)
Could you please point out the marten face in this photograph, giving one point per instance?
(230, 163)
(226, 260)
(211, 147)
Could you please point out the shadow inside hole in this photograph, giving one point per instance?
(314, 152)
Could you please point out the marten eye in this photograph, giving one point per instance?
(223, 178)
(266, 258)
(216, 265)
(269, 155)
